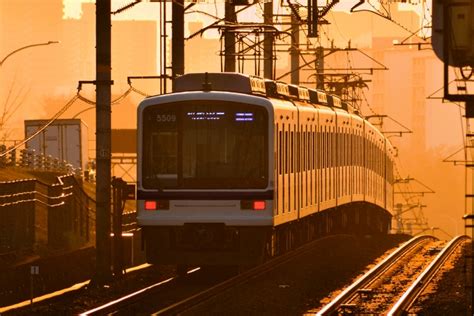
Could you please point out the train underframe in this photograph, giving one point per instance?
(217, 244)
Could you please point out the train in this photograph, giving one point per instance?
(234, 169)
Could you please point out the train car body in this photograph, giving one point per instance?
(233, 169)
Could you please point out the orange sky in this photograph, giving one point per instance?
(55, 80)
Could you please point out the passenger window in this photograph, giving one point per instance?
(280, 152)
(291, 152)
(286, 149)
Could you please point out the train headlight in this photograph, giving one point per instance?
(157, 205)
(150, 205)
(253, 205)
(259, 205)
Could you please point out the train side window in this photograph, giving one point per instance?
(337, 146)
(360, 152)
(312, 148)
(329, 140)
(320, 148)
(280, 152)
(286, 149)
(359, 149)
(374, 158)
(374, 161)
(343, 148)
(344, 136)
(325, 148)
(333, 147)
(275, 151)
(302, 138)
(328, 148)
(371, 156)
(306, 149)
(322, 153)
(344, 142)
(346, 149)
(291, 151)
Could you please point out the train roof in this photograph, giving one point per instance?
(240, 83)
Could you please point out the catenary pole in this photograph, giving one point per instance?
(177, 44)
(103, 140)
(294, 50)
(229, 38)
(268, 41)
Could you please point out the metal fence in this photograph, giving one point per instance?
(29, 159)
(34, 214)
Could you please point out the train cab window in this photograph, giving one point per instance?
(204, 145)
(165, 164)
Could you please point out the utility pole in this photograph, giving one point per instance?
(268, 41)
(294, 49)
(177, 40)
(103, 140)
(229, 38)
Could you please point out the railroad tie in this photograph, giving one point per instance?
(365, 294)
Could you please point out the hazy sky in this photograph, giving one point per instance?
(72, 8)
(441, 124)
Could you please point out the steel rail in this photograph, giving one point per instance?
(240, 279)
(414, 291)
(371, 275)
(121, 302)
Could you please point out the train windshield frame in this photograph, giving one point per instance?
(205, 145)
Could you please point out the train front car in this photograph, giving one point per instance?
(204, 191)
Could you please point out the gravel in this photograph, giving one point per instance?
(447, 293)
(299, 286)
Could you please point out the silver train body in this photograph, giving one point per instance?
(233, 169)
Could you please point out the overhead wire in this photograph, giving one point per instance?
(77, 96)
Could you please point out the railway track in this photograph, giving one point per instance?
(416, 289)
(387, 287)
(143, 301)
(161, 294)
